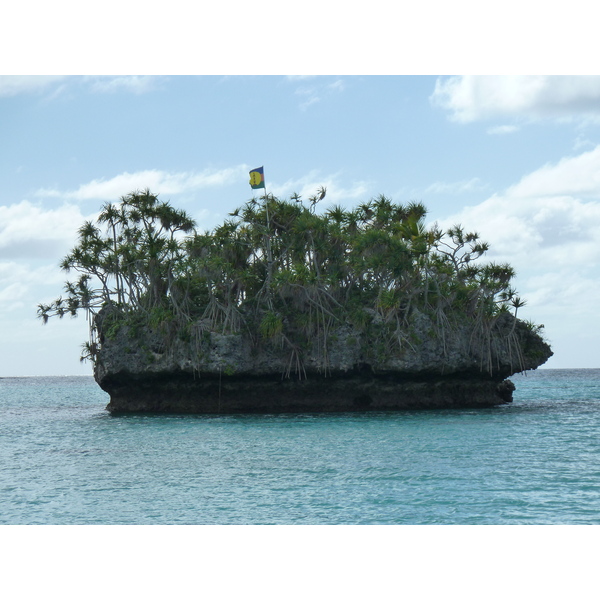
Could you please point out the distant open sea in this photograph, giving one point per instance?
(65, 460)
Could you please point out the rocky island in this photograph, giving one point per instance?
(283, 309)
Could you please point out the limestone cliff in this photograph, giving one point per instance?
(227, 373)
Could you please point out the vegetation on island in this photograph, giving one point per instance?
(280, 272)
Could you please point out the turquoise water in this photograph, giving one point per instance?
(65, 460)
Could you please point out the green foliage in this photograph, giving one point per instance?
(538, 329)
(271, 325)
(278, 270)
(112, 330)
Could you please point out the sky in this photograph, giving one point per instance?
(515, 158)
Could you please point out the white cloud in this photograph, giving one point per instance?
(12, 292)
(19, 283)
(548, 227)
(502, 129)
(26, 341)
(30, 230)
(299, 77)
(550, 217)
(13, 85)
(311, 97)
(309, 184)
(337, 86)
(530, 232)
(12, 272)
(560, 292)
(163, 182)
(456, 187)
(577, 176)
(315, 92)
(159, 182)
(137, 84)
(582, 142)
(474, 98)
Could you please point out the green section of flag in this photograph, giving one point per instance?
(257, 178)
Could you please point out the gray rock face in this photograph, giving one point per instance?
(220, 373)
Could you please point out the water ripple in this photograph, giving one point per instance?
(66, 461)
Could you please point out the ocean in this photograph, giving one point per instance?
(66, 461)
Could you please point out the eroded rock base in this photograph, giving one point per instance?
(185, 394)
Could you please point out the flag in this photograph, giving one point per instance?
(257, 178)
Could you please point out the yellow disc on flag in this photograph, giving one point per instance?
(255, 178)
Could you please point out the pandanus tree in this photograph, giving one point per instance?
(127, 261)
(278, 271)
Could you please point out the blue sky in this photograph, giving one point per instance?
(514, 158)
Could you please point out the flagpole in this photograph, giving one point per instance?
(269, 252)
(268, 222)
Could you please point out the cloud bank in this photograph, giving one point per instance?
(136, 84)
(159, 182)
(172, 183)
(14, 85)
(548, 227)
(309, 184)
(476, 98)
(27, 229)
(552, 214)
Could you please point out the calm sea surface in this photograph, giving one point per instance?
(65, 460)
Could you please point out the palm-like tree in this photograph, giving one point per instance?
(281, 272)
